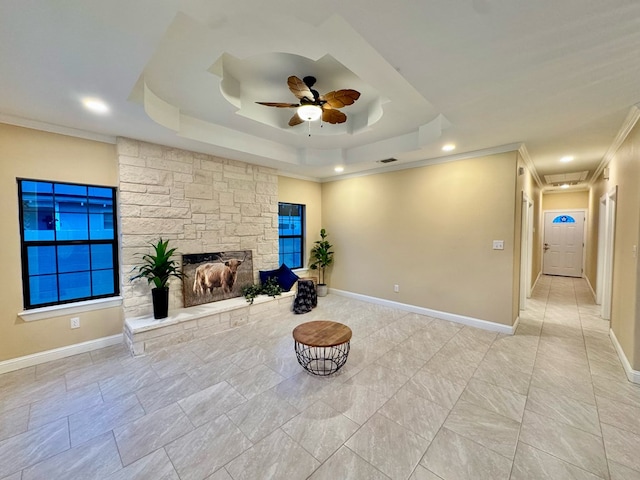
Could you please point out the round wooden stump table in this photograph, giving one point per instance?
(322, 346)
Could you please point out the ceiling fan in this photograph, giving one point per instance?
(312, 105)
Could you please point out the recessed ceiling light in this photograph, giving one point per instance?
(566, 159)
(448, 147)
(339, 169)
(95, 105)
(566, 185)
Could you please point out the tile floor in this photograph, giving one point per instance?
(419, 399)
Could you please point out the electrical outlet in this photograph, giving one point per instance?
(396, 288)
(498, 244)
(75, 322)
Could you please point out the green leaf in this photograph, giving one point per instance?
(321, 255)
(270, 287)
(157, 267)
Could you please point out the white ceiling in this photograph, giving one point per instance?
(557, 76)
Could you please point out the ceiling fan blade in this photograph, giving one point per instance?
(333, 116)
(295, 120)
(299, 88)
(279, 105)
(341, 98)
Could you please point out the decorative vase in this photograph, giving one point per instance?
(322, 289)
(160, 298)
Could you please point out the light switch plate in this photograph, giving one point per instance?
(498, 244)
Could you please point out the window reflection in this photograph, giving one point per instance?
(68, 242)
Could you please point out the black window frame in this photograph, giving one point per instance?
(301, 237)
(24, 245)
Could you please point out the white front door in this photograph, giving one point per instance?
(563, 243)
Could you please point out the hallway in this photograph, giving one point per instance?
(580, 407)
(419, 399)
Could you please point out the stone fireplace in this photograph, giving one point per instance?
(199, 202)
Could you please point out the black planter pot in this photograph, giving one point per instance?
(160, 298)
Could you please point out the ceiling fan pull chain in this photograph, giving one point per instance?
(309, 128)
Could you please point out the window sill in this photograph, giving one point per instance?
(69, 309)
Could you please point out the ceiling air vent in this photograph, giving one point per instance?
(388, 160)
(562, 178)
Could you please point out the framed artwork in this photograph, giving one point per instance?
(215, 276)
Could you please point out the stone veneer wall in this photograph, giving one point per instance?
(199, 202)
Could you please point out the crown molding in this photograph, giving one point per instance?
(511, 147)
(529, 163)
(629, 122)
(282, 173)
(59, 129)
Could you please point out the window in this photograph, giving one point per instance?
(69, 242)
(564, 219)
(291, 234)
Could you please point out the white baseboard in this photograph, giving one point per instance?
(632, 375)
(535, 283)
(593, 292)
(452, 317)
(515, 325)
(57, 353)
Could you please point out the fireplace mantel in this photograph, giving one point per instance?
(144, 334)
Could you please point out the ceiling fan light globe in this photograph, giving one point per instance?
(309, 113)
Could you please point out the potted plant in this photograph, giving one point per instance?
(321, 258)
(157, 268)
(270, 287)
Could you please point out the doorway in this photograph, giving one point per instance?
(605, 252)
(526, 250)
(563, 249)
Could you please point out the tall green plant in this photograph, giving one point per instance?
(158, 267)
(321, 255)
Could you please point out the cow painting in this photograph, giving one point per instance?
(216, 276)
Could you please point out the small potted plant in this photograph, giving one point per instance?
(270, 287)
(157, 268)
(321, 258)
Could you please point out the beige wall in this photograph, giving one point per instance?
(565, 201)
(430, 230)
(625, 311)
(45, 156)
(293, 190)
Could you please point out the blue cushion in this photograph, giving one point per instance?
(286, 277)
(267, 274)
